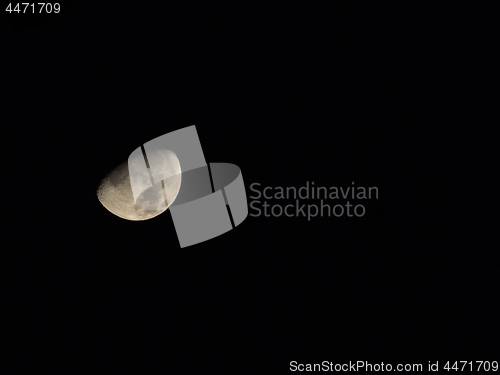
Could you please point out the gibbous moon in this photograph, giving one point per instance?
(159, 190)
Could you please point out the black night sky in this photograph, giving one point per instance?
(386, 97)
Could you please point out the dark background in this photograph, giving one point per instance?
(390, 97)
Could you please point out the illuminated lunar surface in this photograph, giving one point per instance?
(115, 190)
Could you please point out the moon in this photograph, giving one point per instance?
(158, 193)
